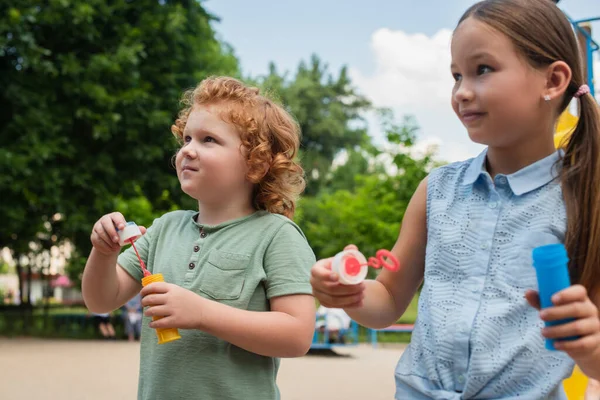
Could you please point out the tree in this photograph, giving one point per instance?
(329, 111)
(370, 214)
(90, 90)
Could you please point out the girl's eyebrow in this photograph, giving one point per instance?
(476, 56)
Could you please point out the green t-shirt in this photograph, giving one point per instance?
(242, 263)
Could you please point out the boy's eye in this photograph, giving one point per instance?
(456, 77)
(484, 69)
(209, 139)
(187, 139)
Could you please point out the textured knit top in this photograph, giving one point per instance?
(475, 336)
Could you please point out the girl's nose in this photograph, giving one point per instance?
(463, 93)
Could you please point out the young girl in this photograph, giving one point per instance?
(236, 271)
(470, 227)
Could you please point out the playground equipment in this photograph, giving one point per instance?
(576, 384)
(588, 46)
(323, 338)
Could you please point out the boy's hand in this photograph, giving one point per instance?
(104, 235)
(178, 307)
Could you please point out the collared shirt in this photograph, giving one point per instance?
(476, 337)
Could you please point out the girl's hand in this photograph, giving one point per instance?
(104, 235)
(178, 307)
(571, 303)
(329, 291)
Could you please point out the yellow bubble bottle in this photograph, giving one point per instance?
(165, 335)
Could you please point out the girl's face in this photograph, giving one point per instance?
(210, 165)
(497, 96)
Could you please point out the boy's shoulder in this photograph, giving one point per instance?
(260, 222)
(174, 218)
(274, 222)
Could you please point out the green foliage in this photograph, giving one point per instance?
(329, 111)
(4, 268)
(370, 214)
(89, 92)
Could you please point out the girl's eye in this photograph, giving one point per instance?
(484, 69)
(456, 77)
(187, 139)
(209, 139)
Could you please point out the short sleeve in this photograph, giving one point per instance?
(287, 263)
(128, 259)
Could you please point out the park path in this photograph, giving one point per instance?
(34, 369)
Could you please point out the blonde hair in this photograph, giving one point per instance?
(269, 134)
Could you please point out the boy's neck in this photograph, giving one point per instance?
(215, 214)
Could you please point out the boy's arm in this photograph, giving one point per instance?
(285, 331)
(105, 285)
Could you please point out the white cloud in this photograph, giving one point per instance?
(411, 69)
(412, 76)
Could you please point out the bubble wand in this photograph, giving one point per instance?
(128, 235)
(352, 266)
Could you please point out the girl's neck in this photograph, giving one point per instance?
(508, 160)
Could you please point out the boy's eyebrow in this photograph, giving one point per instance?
(200, 131)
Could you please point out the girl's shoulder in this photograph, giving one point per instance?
(458, 172)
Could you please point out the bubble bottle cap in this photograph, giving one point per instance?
(130, 233)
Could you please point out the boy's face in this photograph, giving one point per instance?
(210, 165)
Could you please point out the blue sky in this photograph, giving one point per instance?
(395, 50)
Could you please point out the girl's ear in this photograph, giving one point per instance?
(558, 78)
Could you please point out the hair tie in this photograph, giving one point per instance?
(583, 89)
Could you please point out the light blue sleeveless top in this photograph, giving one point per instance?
(476, 337)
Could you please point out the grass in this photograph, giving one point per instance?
(62, 311)
(410, 315)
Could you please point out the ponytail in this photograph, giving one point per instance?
(580, 176)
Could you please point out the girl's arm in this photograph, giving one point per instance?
(379, 303)
(590, 365)
(388, 297)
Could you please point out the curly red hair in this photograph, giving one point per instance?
(269, 134)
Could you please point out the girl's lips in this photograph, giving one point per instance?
(471, 116)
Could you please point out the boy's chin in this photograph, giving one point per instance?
(193, 192)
